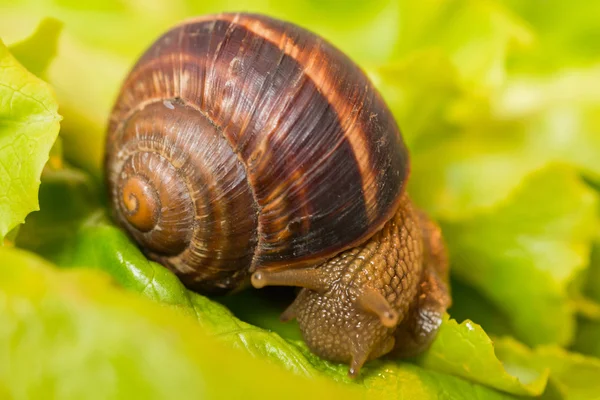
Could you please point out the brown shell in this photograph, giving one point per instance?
(265, 146)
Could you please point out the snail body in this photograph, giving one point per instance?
(244, 147)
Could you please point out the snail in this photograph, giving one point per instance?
(244, 149)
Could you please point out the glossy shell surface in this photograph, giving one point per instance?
(247, 142)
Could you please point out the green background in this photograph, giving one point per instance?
(499, 103)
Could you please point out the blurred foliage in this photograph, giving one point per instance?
(499, 103)
(524, 253)
(102, 246)
(79, 337)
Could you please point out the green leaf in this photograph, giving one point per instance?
(90, 241)
(524, 254)
(29, 124)
(132, 270)
(565, 33)
(469, 303)
(419, 90)
(592, 278)
(471, 149)
(462, 350)
(67, 198)
(99, 245)
(557, 115)
(586, 341)
(105, 247)
(573, 375)
(475, 35)
(407, 381)
(486, 96)
(474, 137)
(588, 326)
(73, 335)
(36, 52)
(466, 350)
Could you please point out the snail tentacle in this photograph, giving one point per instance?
(244, 149)
(373, 301)
(309, 278)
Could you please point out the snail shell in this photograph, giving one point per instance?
(239, 142)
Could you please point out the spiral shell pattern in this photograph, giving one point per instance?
(241, 142)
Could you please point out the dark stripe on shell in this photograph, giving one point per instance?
(322, 152)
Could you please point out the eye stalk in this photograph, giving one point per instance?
(277, 163)
(388, 294)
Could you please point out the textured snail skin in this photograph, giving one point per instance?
(242, 145)
(387, 294)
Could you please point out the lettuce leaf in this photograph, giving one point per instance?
(466, 350)
(572, 375)
(92, 241)
(29, 123)
(565, 33)
(592, 277)
(586, 341)
(37, 51)
(103, 246)
(104, 318)
(74, 335)
(471, 148)
(469, 303)
(525, 254)
(499, 104)
(477, 36)
(588, 332)
(67, 197)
